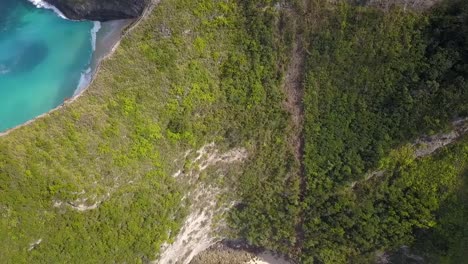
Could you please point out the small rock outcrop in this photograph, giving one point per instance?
(100, 10)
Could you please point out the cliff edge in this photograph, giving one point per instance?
(102, 10)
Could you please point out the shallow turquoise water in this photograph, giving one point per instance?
(42, 57)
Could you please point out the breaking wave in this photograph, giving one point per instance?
(85, 80)
(94, 31)
(87, 76)
(44, 4)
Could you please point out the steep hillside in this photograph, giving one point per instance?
(375, 80)
(94, 181)
(282, 125)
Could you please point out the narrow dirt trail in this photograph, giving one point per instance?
(294, 90)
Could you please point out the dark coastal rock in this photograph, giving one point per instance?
(100, 10)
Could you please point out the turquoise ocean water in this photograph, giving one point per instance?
(42, 58)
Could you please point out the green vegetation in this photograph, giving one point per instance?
(203, 71)
(447, 241)
(268, 187)
(376, 79)
(193, 72)
(385, 211)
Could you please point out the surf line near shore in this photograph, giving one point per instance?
(87, 75)
(44, 4)
(104, 37)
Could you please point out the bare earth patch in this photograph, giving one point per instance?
(221, 254)
(198, 231)
(427, 145)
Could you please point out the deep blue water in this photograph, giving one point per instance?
(42, 58)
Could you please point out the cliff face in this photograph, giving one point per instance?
(100, 10)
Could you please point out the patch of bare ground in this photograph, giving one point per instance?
(199, 230)
(427, 145)
(268, 257)
(233, 252)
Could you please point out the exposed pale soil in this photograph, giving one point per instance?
(268, 257)
(83, 204)
(427, 145)
(34, 244)
(198, 231)
(222, 254)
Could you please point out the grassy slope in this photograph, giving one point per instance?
(202, 71)
(110, 136)
(191, 73)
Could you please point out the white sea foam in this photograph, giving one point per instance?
(94, 31)
(44, 4)
(85, 79)
(87, 75)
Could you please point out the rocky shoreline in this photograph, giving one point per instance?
(100, 10)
